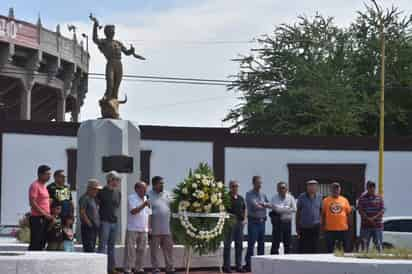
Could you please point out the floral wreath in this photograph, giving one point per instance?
(199, 211)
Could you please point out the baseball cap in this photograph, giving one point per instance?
(93, 183)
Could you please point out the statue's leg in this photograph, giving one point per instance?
(109, 80)
(117, 79)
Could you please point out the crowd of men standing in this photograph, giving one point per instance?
(314, 214)
(149, 216)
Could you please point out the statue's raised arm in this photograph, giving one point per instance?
(96, 26)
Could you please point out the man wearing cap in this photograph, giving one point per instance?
(371, 208)
(89, 216)
(109, 203)
(309, 206)
(161, 237)
(336, 219)
(137, 229)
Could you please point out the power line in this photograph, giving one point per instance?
(165, 81)
(167, 78)
(199, 42)
(139, 78)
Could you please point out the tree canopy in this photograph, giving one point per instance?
(314, 77)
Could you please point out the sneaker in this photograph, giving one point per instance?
(227, 270)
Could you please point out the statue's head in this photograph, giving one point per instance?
(109, 31)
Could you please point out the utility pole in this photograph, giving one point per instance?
(384, 19)
(381, 27)
(382, 109)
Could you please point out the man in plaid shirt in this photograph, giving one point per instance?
(371, 209)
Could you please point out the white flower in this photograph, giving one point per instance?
(194, 186)
(200, 194)
(195, 204)
(185, 191)
(220, 185)
(219, 202)
(213, 185)
(207, 208)
(222, 208)
(213, 198)
(197, 176)
(219, 194)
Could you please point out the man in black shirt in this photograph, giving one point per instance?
(238, 210)
(59, 192)
(109, 202)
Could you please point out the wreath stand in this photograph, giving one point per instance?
(187, 259)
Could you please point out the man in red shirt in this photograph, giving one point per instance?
(371, 208)
(40, 208)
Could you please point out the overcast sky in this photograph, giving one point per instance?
(179, 38)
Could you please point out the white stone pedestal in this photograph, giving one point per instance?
(42, 262)
(102, 138)
(326, 264)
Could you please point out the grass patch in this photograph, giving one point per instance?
(387, 254)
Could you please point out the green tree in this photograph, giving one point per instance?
(315, 78)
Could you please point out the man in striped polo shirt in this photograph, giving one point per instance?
(371, 209)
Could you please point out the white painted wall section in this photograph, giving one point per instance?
(22, 154)
(173, 159)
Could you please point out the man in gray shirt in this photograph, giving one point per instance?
(256, 203)
(89, 216)
(309, 206)
(159, 201)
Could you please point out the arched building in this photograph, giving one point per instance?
(43, 75)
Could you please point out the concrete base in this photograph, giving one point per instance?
(102, 138)
(327, 264)
(210, 260)
(52, 263)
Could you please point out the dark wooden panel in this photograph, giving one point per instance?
(145, 165)
(72, 167)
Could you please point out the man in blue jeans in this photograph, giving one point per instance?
(371, 208)
(109, 202)
(256, 203)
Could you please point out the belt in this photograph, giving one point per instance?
(257, 220)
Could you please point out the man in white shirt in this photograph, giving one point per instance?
(137, 229)
(283, 206)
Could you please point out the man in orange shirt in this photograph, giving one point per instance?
(336, 218)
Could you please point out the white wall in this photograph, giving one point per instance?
(271, 164)
(173, 159)
(22, 154)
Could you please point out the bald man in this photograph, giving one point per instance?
(137, 229)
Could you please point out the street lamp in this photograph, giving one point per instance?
(72, 28)
(85, 36)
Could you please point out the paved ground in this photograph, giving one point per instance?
(197, 272)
